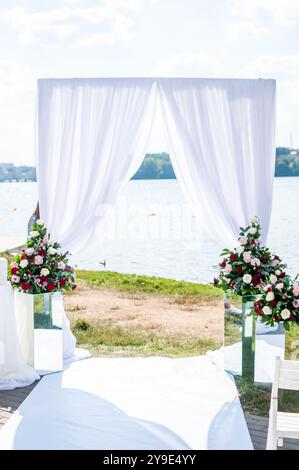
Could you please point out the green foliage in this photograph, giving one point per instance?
(148, 284)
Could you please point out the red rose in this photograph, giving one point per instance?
(42, 252)
(273, 303)
(223, 264)
(282, 274)
(23, 256)
(256, 279)
(14, 270)
(62, 282)
(30, 260)
(259, 312)
(239, 269)
(216, 281)
(233, 257)
(269, 289)
(25, 286)
(51, 286)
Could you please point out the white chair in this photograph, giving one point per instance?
(283, 424)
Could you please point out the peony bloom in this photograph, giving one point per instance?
(247, 256)
(24, 263)
(285, 314)
(247, 278)
(34, 234)
(61, 265)
(52, 251)
(29, 251)
(267, 310)
(270, 296)
(38, 260)
(273, 278)
(15, 278)
(45, 272)
(243, 240)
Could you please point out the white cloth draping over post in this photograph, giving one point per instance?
(91, 136)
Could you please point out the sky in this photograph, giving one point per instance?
(106, 38)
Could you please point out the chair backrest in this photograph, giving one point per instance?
(286, 375)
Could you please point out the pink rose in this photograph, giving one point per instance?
(255, 262)
(38, 260)
(296, 303)
(247, 256)
(61, 265)
(29, 251)
(243, 240)
(296, 290)
(15, 279)
(275, 263)
(14, 265)
(228, 268)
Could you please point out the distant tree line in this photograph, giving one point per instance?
(158, 166)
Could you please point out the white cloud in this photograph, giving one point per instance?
(103, 24)
(283, 12)
(17, 98)
(285, 69)
(189, 65)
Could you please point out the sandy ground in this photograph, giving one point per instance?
(180, 317)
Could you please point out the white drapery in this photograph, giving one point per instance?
(91, 138)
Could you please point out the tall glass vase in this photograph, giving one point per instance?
(39, 326)
(250, 346)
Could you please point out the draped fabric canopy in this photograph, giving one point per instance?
(92, 136)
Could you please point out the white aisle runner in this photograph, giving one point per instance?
(131, 403)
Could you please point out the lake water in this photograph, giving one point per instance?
(152, 231)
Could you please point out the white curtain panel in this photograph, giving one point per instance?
(91, 139)
(92, 135)
(221, 136)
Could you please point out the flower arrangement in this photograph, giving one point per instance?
(245, 269)
(279, 302)
(40, 267)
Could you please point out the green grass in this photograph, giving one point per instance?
(256, 399)
(133, 283)
(108, 340)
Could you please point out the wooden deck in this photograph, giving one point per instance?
(257, 425)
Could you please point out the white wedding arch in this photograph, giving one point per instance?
(92, 135)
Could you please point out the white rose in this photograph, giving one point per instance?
(252, 230)
(243, 240)
(45, 272)
(285, 314)
(273, 278)
(247, 278)
(278, 272)
(39, 222)
(254, 220)
(279, 286)
(267, 310)
(24, 263)
(270, 296)
(240, 250)
(34, 234)
(52, 251)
